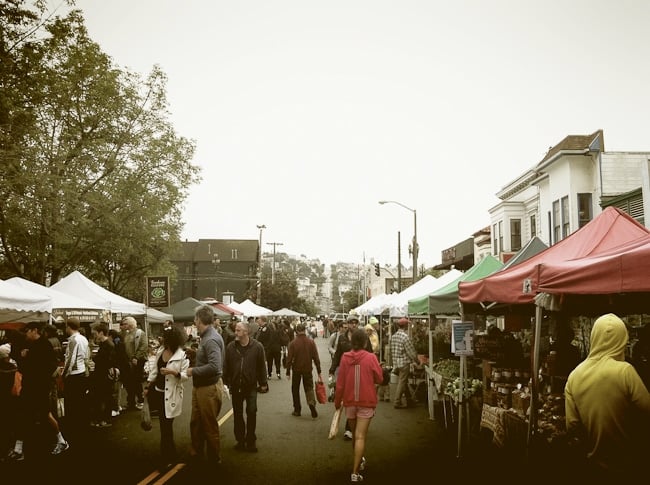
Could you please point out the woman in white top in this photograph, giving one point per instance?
(165, 389)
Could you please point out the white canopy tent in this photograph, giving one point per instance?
(376, 305)
(60, 300)
(400, 304)
(250, 309)
(20, 305)
(77, 284)
(286, 312)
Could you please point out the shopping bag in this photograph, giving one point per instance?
(145, 417)
(321, 394)
(334, 426)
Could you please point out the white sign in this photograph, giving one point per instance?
(462, 334)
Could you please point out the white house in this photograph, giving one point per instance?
(572, 184)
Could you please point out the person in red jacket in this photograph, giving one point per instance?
(359, 371)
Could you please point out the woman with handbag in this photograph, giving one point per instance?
(165, 389)
(359, 372)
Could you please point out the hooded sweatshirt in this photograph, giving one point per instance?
(606, 402)
(359, 371)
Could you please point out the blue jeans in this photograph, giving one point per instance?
(245, 431)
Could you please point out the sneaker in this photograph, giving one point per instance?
(314, 413)
(295, 413)
(362, 465)
(104, 424)
(138, 406)
(115, 413)
(15, 456)
(251, 448)
(240, 446)
(356, 477)
(279, 376)
(347, 436)
(60, 448)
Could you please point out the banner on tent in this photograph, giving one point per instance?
(158, 291)
(84, 316)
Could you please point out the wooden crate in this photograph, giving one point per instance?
(489, 397)
(520, 402)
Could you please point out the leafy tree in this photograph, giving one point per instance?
(94, 173)
(282, 293)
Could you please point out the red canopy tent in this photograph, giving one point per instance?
(605, 235)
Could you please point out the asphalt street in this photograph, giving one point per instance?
(402, 444)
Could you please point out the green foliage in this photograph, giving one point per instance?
(94, 174)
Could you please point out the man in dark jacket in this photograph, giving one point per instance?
(302, 351)
(244, 371)
(37, 363)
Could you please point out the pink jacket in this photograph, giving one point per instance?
(359, 371)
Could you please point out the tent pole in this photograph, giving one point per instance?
(532, 419)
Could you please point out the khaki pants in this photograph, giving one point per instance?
(204, 423)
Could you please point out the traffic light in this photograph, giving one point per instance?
(377, 272)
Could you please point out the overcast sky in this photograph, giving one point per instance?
(307, 113)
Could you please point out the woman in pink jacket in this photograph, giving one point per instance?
(359, 371)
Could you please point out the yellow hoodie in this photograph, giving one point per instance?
(606, 401)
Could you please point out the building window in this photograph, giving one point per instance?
(533, 226)
(233, 254)
(495, 241)
(557, 222)
(566, 220)
(515, 234)
(501, 236)
(584, 209)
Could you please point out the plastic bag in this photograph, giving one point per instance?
(145, 417)
(334, 426)
(321, 394)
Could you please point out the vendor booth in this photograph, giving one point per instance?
(554, 294)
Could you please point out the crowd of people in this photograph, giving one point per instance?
(88, 379)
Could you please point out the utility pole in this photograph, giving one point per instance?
(259, 268)
(274, 244)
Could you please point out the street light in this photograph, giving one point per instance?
(414, 247)
(259, 268)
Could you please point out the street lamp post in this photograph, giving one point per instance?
(414, 247)
(259, 268)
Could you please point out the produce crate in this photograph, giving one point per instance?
(489, 397)
(520, 402)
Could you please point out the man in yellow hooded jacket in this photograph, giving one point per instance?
(607, 404)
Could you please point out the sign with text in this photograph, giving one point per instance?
(462, 334)
(158, 291)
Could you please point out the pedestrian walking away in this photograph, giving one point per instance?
(355, 389)
(207, 389)
(343, 345)
(245, 373)
(302, 353)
